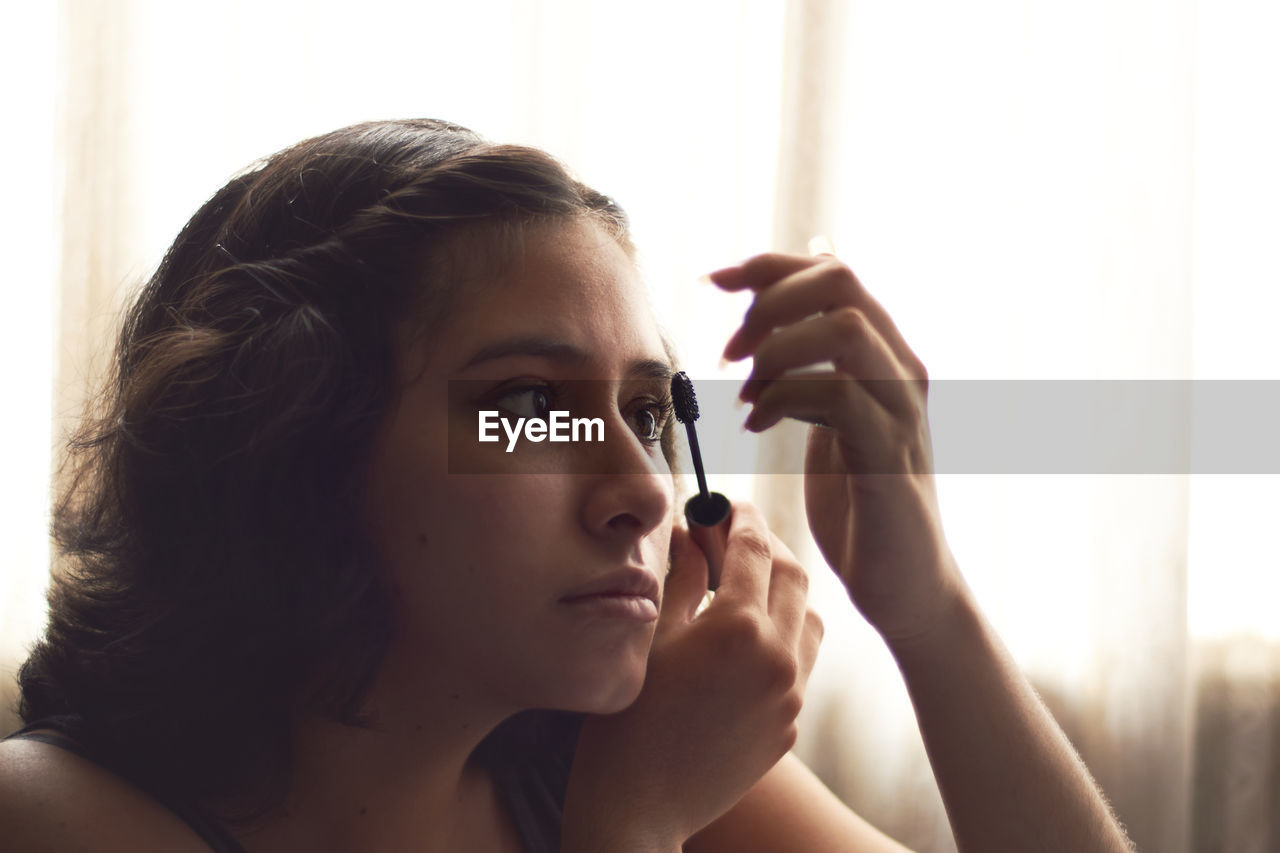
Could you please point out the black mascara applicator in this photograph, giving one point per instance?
(707, 513)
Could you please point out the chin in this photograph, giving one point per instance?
(622, 700)
(617, 694)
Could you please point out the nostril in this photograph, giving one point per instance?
(626, 521)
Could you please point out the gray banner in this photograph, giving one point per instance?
(977, 427)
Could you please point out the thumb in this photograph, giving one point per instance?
(686, 583)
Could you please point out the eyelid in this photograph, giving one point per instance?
(549, 388)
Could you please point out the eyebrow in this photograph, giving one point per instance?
(563, 351)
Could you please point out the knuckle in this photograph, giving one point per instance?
(742, 633)
(849, 395)
(922, 376)
(792, 704)
(754, 543)
(904, 432)
(914, 424)
(791, 572)
(814, 624)
(841, 272)
(849, 321)
(783, 670)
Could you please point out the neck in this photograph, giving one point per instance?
(409, 781)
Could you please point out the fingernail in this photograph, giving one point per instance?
(727, 276)
(724, 362)
(821, 245)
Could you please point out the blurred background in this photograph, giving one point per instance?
(1034, 191)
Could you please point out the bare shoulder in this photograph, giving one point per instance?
(54, 800)
(790, 809)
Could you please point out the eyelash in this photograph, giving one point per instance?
(662, 408)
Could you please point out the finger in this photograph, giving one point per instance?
(812, 290)
(822, 397)
(764, 270)
(686, 582)
(810, 641)
(853, 347)
(788, 592)
(760, 271)
(870, 437)
(744, 577)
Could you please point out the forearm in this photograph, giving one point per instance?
(1009, 777)
(596, 823)
(603, 811)
(603, 839)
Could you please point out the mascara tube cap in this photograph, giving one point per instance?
(708, 518)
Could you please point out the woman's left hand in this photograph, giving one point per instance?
(869, 485)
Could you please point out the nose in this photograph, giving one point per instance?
(629, 490)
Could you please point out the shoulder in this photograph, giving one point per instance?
(790, 809)
(54, 800)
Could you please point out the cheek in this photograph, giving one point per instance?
(488, 525)
(522, 505)
(662, 543)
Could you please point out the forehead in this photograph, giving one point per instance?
(568, 285)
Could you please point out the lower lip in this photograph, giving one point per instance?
(636, 608)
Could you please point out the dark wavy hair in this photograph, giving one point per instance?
(215, 578)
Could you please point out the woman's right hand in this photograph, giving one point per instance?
(719, 703)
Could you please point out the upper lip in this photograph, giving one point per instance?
(628, 581)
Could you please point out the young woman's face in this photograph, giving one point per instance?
(480, 564)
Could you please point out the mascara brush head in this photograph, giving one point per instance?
(684, 403)
(683, 400)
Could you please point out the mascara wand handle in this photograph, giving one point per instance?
(708, 516)
(696, 453)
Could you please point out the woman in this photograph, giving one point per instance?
(307, 609)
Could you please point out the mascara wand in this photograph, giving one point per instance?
(707, 513)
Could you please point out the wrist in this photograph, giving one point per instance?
(951, 624)
(595, 832)
(602, 813)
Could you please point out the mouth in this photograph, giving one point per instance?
(634, 608)
(630, 593)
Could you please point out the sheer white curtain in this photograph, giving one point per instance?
(1034, 192)
(1040, 192)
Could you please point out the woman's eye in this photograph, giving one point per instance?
(533, 402)
(650, 421)
(650, 428)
